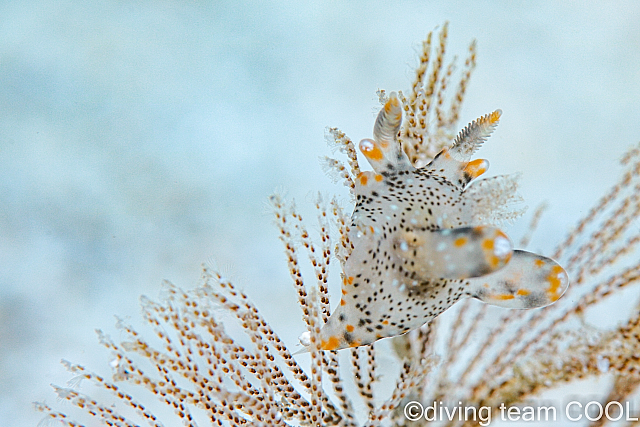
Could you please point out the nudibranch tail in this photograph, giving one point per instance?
(471, 138)
(527, 281)
(458, 253)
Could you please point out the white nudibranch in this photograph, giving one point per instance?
(420, 243)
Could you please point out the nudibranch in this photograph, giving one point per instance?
(418, 243)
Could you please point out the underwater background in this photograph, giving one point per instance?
(139, 140)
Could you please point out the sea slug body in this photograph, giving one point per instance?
(420, 243)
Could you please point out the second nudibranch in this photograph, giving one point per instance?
(418, 245)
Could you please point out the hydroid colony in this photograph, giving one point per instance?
(483, 356)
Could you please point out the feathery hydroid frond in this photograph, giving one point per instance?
(213, 359)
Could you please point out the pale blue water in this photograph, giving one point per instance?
(139, 140)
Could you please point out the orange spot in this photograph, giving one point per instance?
(504, 297)
(331, 344)
(371, 228)
(356, 343)
(475, 168)
(385, 322)
(362, 177)
(494, 261)
(488, 244)
(539, 263)
(445, 153)
(495, 116)
(554, 282)
(343, 302)
(390, 104)
(344, 292)
(349, 328)
(523, 292)
(350, 280)
(460, 241)
(374, 154)
(378, 177)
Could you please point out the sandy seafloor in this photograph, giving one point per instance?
(141, 139)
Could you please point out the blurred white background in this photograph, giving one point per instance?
(141, 139)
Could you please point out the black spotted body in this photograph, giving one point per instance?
(419, 247)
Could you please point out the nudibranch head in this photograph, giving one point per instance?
(421, 244)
